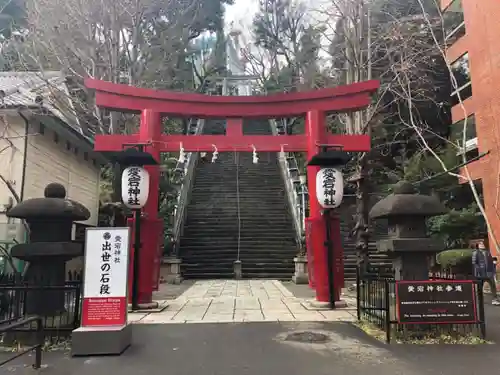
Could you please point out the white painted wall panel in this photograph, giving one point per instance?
(49, 161)
(11, 157)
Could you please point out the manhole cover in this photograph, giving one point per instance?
(308, 337)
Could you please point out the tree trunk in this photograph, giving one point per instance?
(362, 227)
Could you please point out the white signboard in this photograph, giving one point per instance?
(135, 187)
(329, 187)
(105, 276)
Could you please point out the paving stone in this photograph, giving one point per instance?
(272, 305)
(199, 304)
(158, 318)
(249, 315)
(175, 305)
(309, 317)
(136, 317)
(247, 304)
(278, 316)
(226, 301)
(337, 315)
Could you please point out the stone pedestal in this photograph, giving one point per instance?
(300, 276)
(237, 270)
(50, 221)
(87, 341)
(172, 273)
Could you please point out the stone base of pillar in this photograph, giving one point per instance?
(172, 270)
(145, 306)
(300, 276)
(318, 305)
(237, 270)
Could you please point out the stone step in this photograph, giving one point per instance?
(225, 275)
(248, 251)
(217, 258)
(211, 238)
(285, 276)
(195, 240)
(233, 230)
(267, 234)
(189, 265)
(242, 185)
(243, 222)
(249, 193)
(209, 204)
(213, 249)
(205, 224)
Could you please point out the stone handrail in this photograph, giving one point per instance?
(290, 172)
(187, 169)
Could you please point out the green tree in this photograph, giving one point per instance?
(12, 17)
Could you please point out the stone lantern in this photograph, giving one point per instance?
(50, 221)
(408, 243)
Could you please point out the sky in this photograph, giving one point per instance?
(241, 13)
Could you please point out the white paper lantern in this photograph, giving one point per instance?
(330, 187)
(135, 187)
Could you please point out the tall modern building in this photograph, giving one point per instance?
(472, 32)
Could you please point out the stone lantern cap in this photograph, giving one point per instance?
(55, 205)
(405, 201)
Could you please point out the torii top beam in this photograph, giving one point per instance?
(124, 98)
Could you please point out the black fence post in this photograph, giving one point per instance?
(482, 318)
(40, 339)
(76, 318)
(12, 324)
(387, 312)
(358, 294)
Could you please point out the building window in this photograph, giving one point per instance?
(454, 24)
(470, 134)
(461, 72)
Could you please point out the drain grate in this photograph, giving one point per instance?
(308, 337)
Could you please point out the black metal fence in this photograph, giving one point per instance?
(376, 304)
(15, 292)
(39, 340)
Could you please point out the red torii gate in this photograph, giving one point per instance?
(153, 104)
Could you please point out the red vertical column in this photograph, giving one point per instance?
(315, 132)
(151, 226)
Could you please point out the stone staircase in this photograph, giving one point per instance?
(377, 260)
(262, 229)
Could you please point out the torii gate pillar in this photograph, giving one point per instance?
(151, 225)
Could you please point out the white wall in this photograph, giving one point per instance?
(50, 161)
(11, 158)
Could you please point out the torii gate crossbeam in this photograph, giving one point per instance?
(153, 104)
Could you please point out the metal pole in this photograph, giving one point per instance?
(40, 340)
(303, 213)
(137, 247)
(329, 258)
(224, 87)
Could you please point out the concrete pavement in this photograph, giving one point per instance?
(261, 349)
(232, 301)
